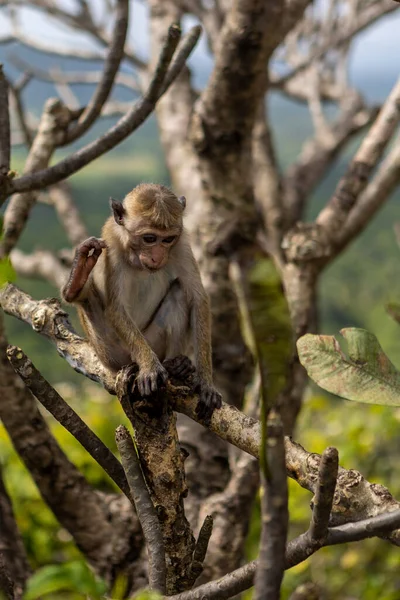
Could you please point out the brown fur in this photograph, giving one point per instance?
(131, 312)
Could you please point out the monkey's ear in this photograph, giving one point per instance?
(182, 201)
(118, 211)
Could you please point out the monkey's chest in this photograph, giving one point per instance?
(143, 297)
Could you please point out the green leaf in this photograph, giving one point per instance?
(366, 375)
(7, 273)
(74, 576)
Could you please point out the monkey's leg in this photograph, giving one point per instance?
(86, 257)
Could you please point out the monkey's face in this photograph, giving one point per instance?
(152, 248)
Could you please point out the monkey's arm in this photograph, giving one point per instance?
(86, 256)
(201, 331)
(151, 374)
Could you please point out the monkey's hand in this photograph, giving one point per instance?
(90, 250)
(86, 256)
(150, 380)
(209, 399)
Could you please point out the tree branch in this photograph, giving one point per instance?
(334, 215)
(322, 506)
(41, 264)
(12, 548)
(144, 509)
(274, 515)
(157, 442)
(354, 495)
(64, 414)
(297, 551)
(372, 199)
(5, 136)
(111, 66)
(342, 35)
(125, 126)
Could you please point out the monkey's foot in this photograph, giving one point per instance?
(148, 382)
(125, 380)
(209, 399)
(180, 367)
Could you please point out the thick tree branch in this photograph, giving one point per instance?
(161, 459)
(354, 495)
(12, 548)
(144, 509)
(74, 503)
(54, 118)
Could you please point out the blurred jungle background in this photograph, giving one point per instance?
(353, 292)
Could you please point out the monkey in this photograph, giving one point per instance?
(139, 294)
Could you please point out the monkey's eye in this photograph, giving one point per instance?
(169, 240)
(149, 238)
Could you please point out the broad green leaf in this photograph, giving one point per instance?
(74, 576)
(366, 375)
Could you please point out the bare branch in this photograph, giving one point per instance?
(328, 470)
(317, 157)
(5, 138)
(41, 264)
(61, 198)
(372, 199)
(55, 116)
(200, 549)
(297, 551)
(342, 35)
(274, 515)
(140, 111)
(111, 66)
(184, 50)
(64, 414)
(71, 77)
(354, 495)
(20, 111)
(144, 509)
(361, 530)
(334, 215)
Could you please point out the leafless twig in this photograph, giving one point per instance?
(334, 215)
(128, 123)
(111, 66)
(144, 509)
(274, 515)
(323, 499)
(65, 415)
(5, 139)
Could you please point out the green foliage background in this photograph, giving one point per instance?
(353, 292)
